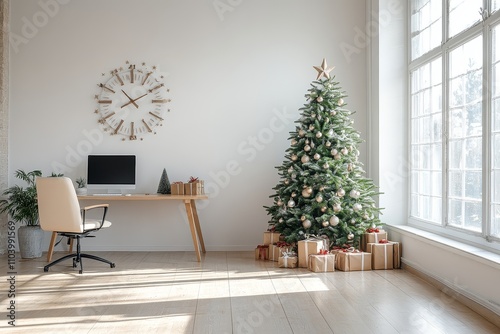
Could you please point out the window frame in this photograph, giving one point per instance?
(484, 28)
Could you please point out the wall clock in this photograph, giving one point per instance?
(132, 101)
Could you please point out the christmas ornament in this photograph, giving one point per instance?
(323, 70)
(309, 190)
(311, 127)
(365, 216)
(333, 112)
(294, 157)
(349, 167)
(306, 224)
(313, 115)
(321, 188)
(353, 221)
(319, 99)
(344, 151)
(302, 132)
(294, 142)
(304, 159)
(307, 148)
(326, 166)
(323, 209)
(337, 207)
(357, 207)
(319, 135)
(290, 170)
(281, 220)
(340, 102)
(340, 192)
(291, 203)
(334, 151)
(294, 194)
(302, 218)
(337, 157)
(325, 223)
(328, 144)
(305, 194)
(279, 203)
(319, 198)
(354, 194)
(287, 181)
(350, 236)
(317, 156)
(334, 220)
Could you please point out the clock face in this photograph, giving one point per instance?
(132, 102)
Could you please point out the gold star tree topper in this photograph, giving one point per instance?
(323, 70)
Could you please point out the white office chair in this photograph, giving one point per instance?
(59, 211)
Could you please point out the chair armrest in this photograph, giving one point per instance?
(92, 207)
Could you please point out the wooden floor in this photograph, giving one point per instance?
(229, 292)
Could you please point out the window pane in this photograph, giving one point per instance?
(465, 126)
(426, 33)
(495, 221)
(426, 142)
(495, 132)
(463, 14)
(495, 5)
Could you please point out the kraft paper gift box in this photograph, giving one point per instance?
(271, 238)
(194, 188)
(382, 255)
(353, 261)
(322, 263)
(397, 254)
(287, 262)
(274, 253)
(262, 252)
(373, 237)
(310, 246)
(177, 188)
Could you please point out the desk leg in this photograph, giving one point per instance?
(190, 216)
(198, 227)
(51, 246)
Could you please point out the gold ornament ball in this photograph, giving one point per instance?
(341, 192)
(337, 207)
(334, 152)
(294, 157)
(354, 194)
(287, 181)
(294, 142)
(291, 203)
(304, 159)
(325, 223)
(279, 203)
(328, 144)
(333, 112)
(323, 209)
(302, 132)
(311, 127)
(337, 157)
(319, 99)
(319, 198)
(306, 224)
(326, 166)
(309, 190)
(307, 148)
(294, 194)
(341, 102)
(305, 194)
(317, 156)
(302, 218)
(334, 220)
(345, 151)
(319, 134)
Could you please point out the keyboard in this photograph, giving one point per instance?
(107, 195)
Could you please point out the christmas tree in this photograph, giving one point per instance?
(164, 185)
(322, 189)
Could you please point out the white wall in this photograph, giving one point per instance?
(234, 74)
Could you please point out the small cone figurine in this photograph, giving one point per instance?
(164, 186)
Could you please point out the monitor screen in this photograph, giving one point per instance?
(111, 171)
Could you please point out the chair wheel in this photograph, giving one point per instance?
(112, 265)
(74, 263)
(45, 269)
(80, 271)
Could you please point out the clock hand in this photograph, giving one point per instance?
(130, 99)
(133, 101)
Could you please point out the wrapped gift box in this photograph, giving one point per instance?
(373, 237)
(287, 262)
(262, 252)
(322, 263)
(397, 254)
(271, 237)
(310, 246)
(382, 255)
(274, 253)
(353, 261)
(177, 188)
(194, 188)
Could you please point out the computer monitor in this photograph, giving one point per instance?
(111, 173)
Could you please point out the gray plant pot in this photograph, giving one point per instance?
(30, 241)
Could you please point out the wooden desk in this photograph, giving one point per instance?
(189, 203)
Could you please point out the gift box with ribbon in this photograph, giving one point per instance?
(382, 254)
(262, 252)
(288, 260)
(271, 237)
(322, 263)
(194, 186)
(276, 250)
(311, 245)
(177, 188)
(353, 260)
(373, 235)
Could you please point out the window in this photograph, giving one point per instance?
(455, 115)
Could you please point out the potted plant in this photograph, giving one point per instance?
(81, 183)
(21, 204)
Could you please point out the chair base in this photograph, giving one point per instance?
(77, 258)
